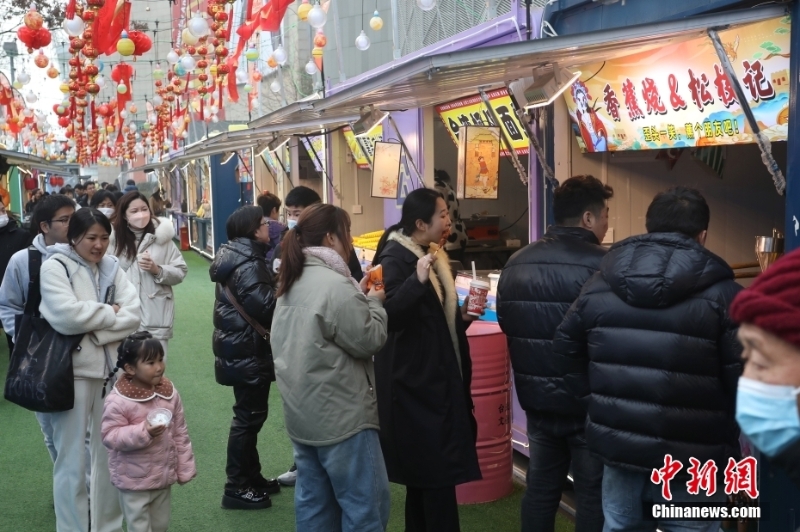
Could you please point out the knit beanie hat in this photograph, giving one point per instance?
(772, 302)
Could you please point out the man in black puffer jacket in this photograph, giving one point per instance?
(655, 355)
(243, 356)
(536, 289)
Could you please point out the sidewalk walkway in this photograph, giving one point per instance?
(26, 471)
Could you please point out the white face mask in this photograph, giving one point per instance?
(139, 220)
(108, 211)
(3, 220)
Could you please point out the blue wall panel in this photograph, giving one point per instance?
(225, 195)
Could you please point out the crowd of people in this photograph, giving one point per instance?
(622, 357)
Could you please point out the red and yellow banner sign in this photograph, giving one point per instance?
(679, 96)
(472, 112)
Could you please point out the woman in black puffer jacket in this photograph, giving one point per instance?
(243, 356)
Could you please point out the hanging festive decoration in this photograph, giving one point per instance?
(41, 60)
(362, 41)
(317, 16)
(303, 9)
(376, 22)
(125, 46)
(426, 5)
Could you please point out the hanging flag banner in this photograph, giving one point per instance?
(363, 148)
(472, 112)
(312, 144)
(678, 96)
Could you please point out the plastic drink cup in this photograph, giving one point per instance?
(159, 416)
(478, 290)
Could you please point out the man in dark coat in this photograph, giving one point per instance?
(536, 289)
(653, 351)
(12, 239)
(243, 358)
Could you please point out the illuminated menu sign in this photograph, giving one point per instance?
(472, 112)
(679, 96)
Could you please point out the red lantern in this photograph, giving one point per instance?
(221, 51)
(77, 43)
(103, 110)
(142, 43)
(88, 16)
(221, 16)
(34, 39)
(30, 183)
(91, 70)
(53, 181)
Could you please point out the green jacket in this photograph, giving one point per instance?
(324, 335)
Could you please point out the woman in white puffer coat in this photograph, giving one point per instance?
(153, 263)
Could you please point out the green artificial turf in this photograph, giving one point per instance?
(26, 470)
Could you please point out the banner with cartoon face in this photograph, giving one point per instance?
(678, 96)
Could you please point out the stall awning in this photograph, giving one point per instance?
(32, 161)
(432, 80)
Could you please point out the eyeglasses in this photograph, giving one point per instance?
(62, 221)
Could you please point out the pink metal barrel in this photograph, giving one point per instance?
(491, 393)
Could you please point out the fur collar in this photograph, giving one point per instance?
(125, 387)
(443, 284)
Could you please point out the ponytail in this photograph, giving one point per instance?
(314, 223)
(292, 261)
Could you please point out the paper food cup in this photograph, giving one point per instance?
(159, 416)
(478, 290)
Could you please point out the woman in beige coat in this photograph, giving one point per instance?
(151, 260)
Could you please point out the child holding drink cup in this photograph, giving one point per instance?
(145, 432)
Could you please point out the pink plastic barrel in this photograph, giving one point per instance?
(491, 393)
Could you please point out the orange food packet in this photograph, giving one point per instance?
(375, 279)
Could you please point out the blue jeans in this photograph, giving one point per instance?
(342, 487)
(550, 459)
(625, 494)
(46, 425)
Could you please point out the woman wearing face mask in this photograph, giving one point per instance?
(245, 294)
(77, 280)
(424, 372)
(104, 202)
(769, 389)
(153, 263)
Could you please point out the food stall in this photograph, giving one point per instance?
(415, 102)
(22, 172)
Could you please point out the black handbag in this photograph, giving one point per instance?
(40, 374)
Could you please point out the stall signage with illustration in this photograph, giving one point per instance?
(363, 148)
(472, 112)
(679, 96)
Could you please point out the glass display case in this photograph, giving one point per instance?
(199, 202)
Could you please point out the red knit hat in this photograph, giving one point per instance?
(772, 302)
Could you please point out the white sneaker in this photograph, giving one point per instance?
(290, 477)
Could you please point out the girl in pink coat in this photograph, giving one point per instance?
(145, 432)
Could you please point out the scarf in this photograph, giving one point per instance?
(441, 278)
(333, 260)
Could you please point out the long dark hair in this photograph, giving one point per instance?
(420, 204)
(316, 221)
(82, 221)
(126, 240)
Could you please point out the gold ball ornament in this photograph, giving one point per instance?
(376, 22)
(303, 9)
(125, 46)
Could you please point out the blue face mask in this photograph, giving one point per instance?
(291, 223)
(767, 414)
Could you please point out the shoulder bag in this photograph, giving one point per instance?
(253, 323)
(40, 374)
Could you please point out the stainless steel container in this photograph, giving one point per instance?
(769, 249)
